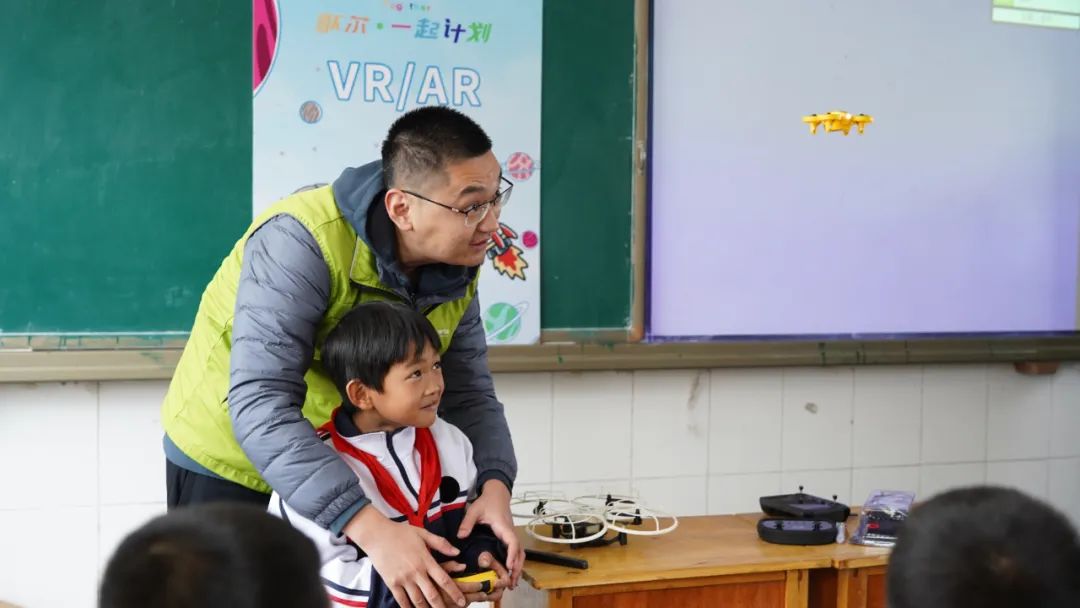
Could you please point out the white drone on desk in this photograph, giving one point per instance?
(586, 520)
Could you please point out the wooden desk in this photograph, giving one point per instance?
(708, 561)
(850, 583)
(855, 579)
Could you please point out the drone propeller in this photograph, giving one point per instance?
(531, 504)
(585, 520)
(598, 503)
(568, 528)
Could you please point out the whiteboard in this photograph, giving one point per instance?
(958, 211)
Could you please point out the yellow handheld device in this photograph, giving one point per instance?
(486, 579)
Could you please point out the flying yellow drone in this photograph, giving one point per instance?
(838, 120)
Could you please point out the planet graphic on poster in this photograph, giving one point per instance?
(264, 37)
(520, 166)
(310, 112)
(502, 321)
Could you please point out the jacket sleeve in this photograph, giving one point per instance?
(346, 574)
(283, 294)
(469, 401)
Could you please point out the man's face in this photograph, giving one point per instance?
(453, 238)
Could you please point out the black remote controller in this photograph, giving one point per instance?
(804, 506)
(797, 531)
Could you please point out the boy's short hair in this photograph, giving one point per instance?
(988, 547)
(214, 555)
(372, 338)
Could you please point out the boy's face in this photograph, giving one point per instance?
(411, 391)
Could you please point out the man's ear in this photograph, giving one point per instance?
(360, 394)
(399, 208)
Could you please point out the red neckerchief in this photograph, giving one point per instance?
(430, 472)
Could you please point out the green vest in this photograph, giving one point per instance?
(195, 413)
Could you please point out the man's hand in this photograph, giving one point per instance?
(474, 591)
(493, 508)
(400, 554)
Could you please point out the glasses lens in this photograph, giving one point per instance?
(504, 199)
(477, 215)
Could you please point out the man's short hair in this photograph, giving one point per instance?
(423, 141)
(988, 547)
(372, 338)
(226, 555)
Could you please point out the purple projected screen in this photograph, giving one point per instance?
(957, 211)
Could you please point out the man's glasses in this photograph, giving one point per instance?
(474, 214)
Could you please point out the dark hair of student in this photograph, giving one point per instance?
(988, 547)
(214, 555)
(372, 338)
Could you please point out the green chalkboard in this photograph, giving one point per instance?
(587, 155)
(125, 161)
(125, 164)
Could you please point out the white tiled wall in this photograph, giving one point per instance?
(81, 464)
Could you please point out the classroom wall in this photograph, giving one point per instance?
(81, 463)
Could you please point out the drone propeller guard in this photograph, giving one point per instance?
(586, 520)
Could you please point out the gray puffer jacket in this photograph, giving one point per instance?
(282, 296)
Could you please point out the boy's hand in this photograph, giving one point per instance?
(493, 508)
(474, 591)
(401, 554)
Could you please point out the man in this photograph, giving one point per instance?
(238, 416)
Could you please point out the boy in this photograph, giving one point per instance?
(416, 468)
(987, 547)
(220, 555)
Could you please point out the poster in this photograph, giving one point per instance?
(330, 76)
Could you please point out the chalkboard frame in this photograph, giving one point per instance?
(801, 350)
